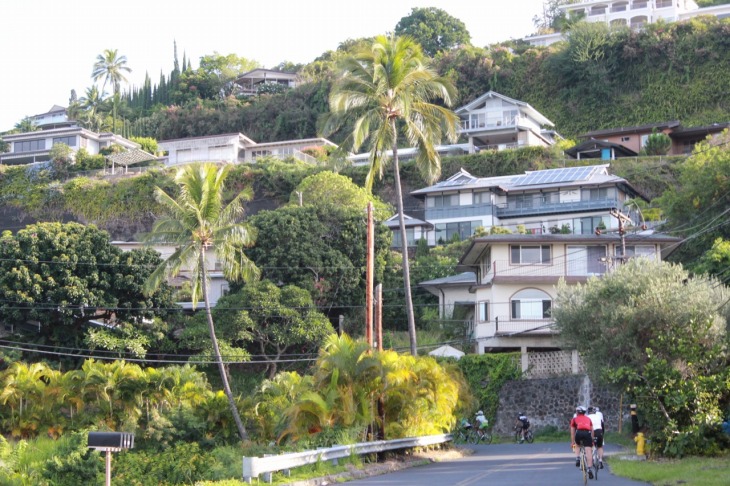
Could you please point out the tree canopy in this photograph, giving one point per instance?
(434, 29)
(659, 334)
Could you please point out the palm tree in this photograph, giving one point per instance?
(196, 222)
(111, 66)
(388, 88)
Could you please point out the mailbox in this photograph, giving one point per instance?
(111, 441)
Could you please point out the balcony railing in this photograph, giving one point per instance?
(557, 267)
(484, 125)
(451, 212)
(537, 207)
(504, 326)
(500, 146)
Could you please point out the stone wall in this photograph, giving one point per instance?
(552, 402)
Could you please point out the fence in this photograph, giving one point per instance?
(255, 466)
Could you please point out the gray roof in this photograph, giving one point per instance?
(410, 221)
(130, 157)
(465, 278)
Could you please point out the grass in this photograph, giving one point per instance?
(691, 471)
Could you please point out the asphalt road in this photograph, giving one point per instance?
(535, 464)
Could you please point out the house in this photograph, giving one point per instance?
(56, 117)
(415, 229)
(218, 286)
(31, 147)
(234, 148)
(497, 122)
(634, 138)
(599, 149)
(630, 13)
(252, 80)
(576, 200)
(510, 282)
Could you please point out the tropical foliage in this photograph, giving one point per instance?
(671, 358)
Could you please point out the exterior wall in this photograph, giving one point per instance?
(552, 402)
(447, 300)
(629, 12)
(213, 149)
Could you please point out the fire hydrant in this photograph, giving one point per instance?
(640, 444)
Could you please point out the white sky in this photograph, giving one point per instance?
(48, 47)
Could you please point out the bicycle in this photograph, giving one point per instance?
(519, 437)
(463, 435)
(596, 462)
(480, 435)
(583, 464)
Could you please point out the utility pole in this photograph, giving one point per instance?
(622, 218)
(379, 315)
(369, 277)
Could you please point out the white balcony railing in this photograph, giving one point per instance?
(558, 267)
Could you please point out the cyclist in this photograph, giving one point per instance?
(594, 413)
(481, 421)
(581, 434)
(524, 422)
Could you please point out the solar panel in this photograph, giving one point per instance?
(550, 176)
(459, 181)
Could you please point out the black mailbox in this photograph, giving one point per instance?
(111, 441)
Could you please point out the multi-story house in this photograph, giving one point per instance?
(56, 117)
(31, 147)
(497, 122)
(574, 200)
(252, 80)
(508, 284)
(631, 13)
(234, 148)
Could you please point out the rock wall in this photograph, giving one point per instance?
(552, 402)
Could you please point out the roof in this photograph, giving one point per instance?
(130, 157)
(578, 176)
(539, 117)
(261, 72)
(462, 279)
(411, 222)
(472, 254)
(592, 149)
(447, 352)
(635, 129)
(219, 135)
(699, 130)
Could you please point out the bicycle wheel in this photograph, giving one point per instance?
(583, 466)
(595, 463)
(472, 436)
(518, 435)
(487, 437)
(528, 436)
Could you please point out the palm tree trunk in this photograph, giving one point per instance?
(221, 367)
(404, 247)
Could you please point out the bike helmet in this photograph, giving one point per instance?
(480, 412)
(580, 409)
(597, 409)
(591, 410)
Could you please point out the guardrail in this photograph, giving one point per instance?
(255, 466)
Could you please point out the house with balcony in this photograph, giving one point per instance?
(56, 117)
(508, 283)
(234, 148)
(630, 13)
(574, 200)
(496, 122)
(32, 147)
(251, 81)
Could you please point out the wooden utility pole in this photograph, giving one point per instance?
(379, 315)
(369, 277)
(622, 218)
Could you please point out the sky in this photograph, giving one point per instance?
(48, 47)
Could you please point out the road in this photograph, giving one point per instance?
(535, 464)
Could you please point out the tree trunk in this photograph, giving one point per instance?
(404, 247)
(221, 367)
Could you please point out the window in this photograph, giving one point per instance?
(482, 197)
(464, 229)
(586, 260)
(29, 146)
(625, 139)
(70, 141)
(663, 3)
(531, 304)
(483, 311)
(409, 234)
(637, 251)
(529, 254)
(598, 194)
(446, 201)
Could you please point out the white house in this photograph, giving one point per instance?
(234, 148)
(218, 284)
(572, 199)
(30, 147)
(497, 122)
(630, 13)
(250, 81)
(510, 282)
(56, 117)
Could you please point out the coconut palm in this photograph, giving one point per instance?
(197, 222)
(389, 89)
(111, 66)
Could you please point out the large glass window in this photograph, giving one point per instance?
(637, 251)
(531, 304)
(445, 201)
(529, 254)
(409, 234)
(29, 146)
(70, 141)
(464, 229)
(586, 260)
